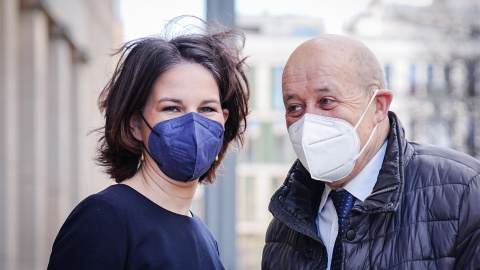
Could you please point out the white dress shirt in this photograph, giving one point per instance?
(360, 187)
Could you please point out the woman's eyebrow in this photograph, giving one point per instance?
(175, 100)
(210, 101)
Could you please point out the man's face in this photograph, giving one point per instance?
(323, 82)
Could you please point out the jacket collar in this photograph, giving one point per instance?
(386, 192)
(296, 202)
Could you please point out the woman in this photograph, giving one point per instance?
(172, 108)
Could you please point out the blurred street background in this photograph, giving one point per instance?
(55, 58)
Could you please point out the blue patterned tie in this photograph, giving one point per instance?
(343, 201)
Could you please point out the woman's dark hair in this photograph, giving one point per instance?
(141, 62)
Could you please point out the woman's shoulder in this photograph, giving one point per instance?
(92, 236)
(109, 197)
(112, 196)
(114, 192)
(118, 201)
(104, 205)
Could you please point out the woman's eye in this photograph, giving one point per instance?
(207, 110)
(171, 109)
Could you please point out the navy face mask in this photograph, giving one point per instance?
(185, 147)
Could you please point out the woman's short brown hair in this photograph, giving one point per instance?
(141, 62)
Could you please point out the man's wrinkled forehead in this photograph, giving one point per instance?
(294, 74)
(295, 78)
(306, 72)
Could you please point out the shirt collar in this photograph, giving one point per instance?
(362, 185)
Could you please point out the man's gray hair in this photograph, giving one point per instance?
(370, 73)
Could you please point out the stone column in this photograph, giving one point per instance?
(78, 129)
(32, 111)
(9, 143)
(59, 131)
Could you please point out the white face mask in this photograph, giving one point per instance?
(327, 147)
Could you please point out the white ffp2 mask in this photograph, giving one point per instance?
(327, 147)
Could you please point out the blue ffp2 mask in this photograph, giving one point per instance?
(185, 147)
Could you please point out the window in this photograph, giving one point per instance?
(412, 79)
(250, 153)
(446, 73)
(276, 183)
(387, 74)
(277, 98)
(305, 32)
(267, 145)
(429, 78)
(250, 198)
(471, 78)
(472, 138)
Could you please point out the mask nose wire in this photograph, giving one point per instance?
(366, 109)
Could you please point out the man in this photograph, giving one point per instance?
(361, 196)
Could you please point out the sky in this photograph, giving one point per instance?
(147, 17)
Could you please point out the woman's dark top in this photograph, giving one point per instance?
(118, 228)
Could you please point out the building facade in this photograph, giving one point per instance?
(54, 61)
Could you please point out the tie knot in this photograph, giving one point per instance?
(343, 201)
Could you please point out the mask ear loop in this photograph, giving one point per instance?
(366, 109)
(151, 129)
(360, 120)
(154, 132)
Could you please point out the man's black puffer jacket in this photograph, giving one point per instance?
(423, 213)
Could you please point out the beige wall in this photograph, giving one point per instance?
(54, 61)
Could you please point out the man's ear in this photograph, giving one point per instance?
(382, 101)
(135, 123)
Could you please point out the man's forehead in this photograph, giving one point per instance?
(298, 85)
(294, 78)
(310, 72)
(293, 73)
(300, 69)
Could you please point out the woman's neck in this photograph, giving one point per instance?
(172, 195)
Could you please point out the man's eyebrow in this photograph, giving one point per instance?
(323, 89)
(288, 97)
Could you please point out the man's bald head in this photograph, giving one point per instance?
(346, 52)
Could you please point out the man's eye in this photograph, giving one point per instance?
(294, 108)
(325, 101)
(294, 111)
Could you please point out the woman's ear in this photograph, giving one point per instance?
(383, 100)
(135, 123)
(226, 113)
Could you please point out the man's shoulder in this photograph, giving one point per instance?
(447, 161)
